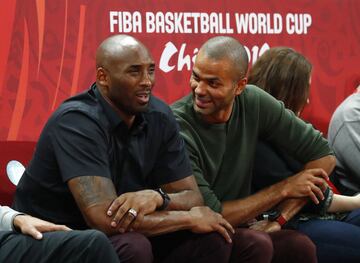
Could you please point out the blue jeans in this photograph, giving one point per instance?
(336, 241)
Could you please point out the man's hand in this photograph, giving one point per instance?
(33, 226)
(205, 220)
(142, 202)
(266, 226)
(307, 183)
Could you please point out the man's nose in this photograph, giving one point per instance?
(200, 88)
(147, 79)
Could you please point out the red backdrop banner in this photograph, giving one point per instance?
(47, 48)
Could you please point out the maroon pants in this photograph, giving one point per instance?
(182, 246)
(247, 246)
(277, 247)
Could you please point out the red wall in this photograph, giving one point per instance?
(47, 48)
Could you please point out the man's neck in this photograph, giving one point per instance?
(127, 118)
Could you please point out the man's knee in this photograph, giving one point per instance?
(301, 245)
(98, 240)
(251, 245)
(294, 246)
(132, 247)
(214, 248)
(99, 248)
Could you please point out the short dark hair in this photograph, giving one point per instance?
(224, 47)
(285, 74)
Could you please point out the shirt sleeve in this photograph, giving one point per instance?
(347, 148)
(210, 198)
(173, 162)
(80, 146)
(7, 216)
(282, 128)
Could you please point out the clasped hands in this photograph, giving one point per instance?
(129, 209)
(310, 183)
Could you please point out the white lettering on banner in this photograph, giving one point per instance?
(298, 23)
(167, 53)
(126, 22)
(170, 51)
(204, 24)
(188, 23)
(255, 53)
(259, 23)
(209, 23)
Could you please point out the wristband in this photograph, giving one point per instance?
(275, 215)
(281, 220)
(165, 197)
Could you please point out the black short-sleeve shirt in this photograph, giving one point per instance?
(86, 137)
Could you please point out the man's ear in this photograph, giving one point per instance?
(240, 86)
(102, 77)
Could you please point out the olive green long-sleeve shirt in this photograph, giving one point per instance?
(222, 154)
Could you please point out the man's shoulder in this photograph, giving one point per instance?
(159, 112)
(253, 97)
(85, 101)
(353, 107)
(349, 109)
(158, 107)
(183, 106)
(84, 104)
(252, 91)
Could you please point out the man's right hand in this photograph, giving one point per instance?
(307, 183)
(205, 220)
(142, 202)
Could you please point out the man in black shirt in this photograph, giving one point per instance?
(111, 158)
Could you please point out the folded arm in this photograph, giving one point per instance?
(293, 193)
(94, 195)
(184, 194)
(291, 207)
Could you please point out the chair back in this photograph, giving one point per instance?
(13, 154)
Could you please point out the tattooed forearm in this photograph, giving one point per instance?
(92, 190)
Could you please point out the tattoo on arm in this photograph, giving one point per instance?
(92, 190)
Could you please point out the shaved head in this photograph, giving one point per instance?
(116, 47)
(125, 75)
(224, 47)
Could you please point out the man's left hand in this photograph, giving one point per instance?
(34, 227)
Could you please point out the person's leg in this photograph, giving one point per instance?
(251, 246)
(98, 248)
(335, 241)
(292, 246)
(73, 246)
(184, 246)
(353, 218)
(132, 247)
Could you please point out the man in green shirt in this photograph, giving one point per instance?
(221, 122)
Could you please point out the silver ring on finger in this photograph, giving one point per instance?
(133, 212)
